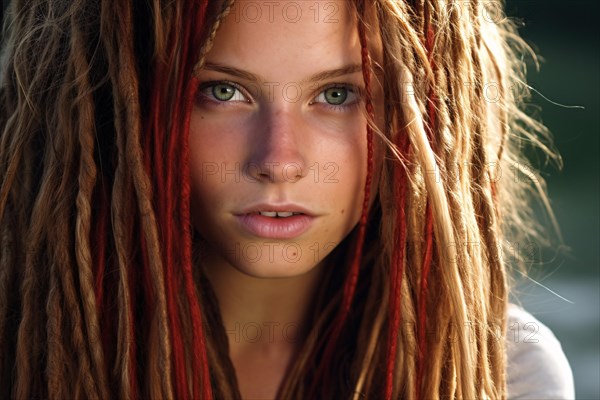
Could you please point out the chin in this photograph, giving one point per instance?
(277, 269)
(265, 259)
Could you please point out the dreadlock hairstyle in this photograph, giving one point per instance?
(100, 290)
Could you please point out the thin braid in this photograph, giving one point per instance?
(124, 78)
(29, 340)
(427, 260)
(164, 137)
(398, 262)
(434, 131)
(227, 4)
(426, 267)
(59, 248)
(85, 379)
(100, 250)
(160, 129)
(498, 273)
(86, 180)
(200, 359)
(57, 354)
(351, 280)
(350, 284)
(206, 342)
(487, 223)
(352, 277)
(121, 186)
(444, 141)
(366, 70)
(400, 374)
(407, 375)
(122, 209)
(27, 333)
(178, 259)
(441, 212)
(141, 182)
(483, 375)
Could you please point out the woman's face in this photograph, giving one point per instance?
(278, 125)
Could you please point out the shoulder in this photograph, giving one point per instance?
(537, 367)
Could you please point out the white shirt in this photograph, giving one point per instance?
(537, 367)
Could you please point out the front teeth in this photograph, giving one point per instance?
(277, 214)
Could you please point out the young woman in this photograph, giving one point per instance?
(283, 199)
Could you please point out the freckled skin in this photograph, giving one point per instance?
(256, 281)
(270, 129)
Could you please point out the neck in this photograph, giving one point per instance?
(266, 313)
(265, 321)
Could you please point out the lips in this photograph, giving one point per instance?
(283, 221)
(279, 208)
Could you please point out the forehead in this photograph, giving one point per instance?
(283, 38)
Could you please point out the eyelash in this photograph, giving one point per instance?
(353, 90)
(202, 97)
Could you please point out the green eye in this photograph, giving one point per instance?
(336, 95)
(223, 91)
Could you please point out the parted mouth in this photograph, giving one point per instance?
(277, 214)
(276, 210)
(280, 222)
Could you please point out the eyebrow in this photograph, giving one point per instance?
(319, 76)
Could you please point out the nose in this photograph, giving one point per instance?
(277, 153)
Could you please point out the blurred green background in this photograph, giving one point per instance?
(565, 34)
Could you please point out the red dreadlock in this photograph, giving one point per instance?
(397, 268)
(352, 278)
(427, 259)
(170, 173)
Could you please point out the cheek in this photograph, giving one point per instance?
(206, 157)
(335, 151)
(201, 164)
(352, 172)
(213, 143)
